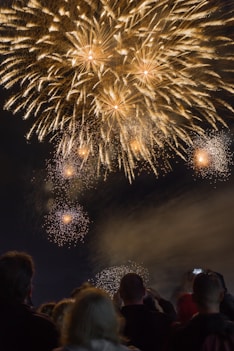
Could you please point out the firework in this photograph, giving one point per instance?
(210, 156)
(109, 279)
(73, 171)
(136, 76)
(66, 225)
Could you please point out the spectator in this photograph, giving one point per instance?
(144, 328)
(92, 324)
(209, 325)
(21, 327)
(186, 308)
(227, 304)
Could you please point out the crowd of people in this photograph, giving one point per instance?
(136, 318)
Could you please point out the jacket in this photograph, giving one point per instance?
(95, 345)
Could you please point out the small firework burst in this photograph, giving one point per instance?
(210, 156)
(66, 225)
(72, 172)
(109, 278)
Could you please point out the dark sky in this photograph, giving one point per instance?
(170, 224)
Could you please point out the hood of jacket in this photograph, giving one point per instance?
(96, 345)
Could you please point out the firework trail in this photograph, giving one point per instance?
(135, 76)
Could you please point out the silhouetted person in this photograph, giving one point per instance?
(144, 328)
(21, 328)
(227, 304)
(209, 330)
(186, 308)
(92, 324)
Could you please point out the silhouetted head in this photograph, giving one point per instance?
(132, 289)
(207, 290)
(93, 316)
(16, 271)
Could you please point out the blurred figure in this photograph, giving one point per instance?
(186, 308)
(165, 306)
(60, 311)
(227, 304)
(46, 308)
(21, 327)
(75, 292)
(144, 328)
(209, 330)
(92, 324)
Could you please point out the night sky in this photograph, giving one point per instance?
(169, 224)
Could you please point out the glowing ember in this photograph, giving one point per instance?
(201, 158)
(68, 171)
(67, 218)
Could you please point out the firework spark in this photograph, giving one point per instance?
(72, 172)
(66, 225)
(109, 279)
(210, 156)
(108, 66)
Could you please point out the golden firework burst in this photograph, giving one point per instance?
(103, 69)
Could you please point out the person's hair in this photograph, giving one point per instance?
(207, 289)
(60, 310)
(93, 316)
(16, 271)
(47, 308)
(78, 289)
(131, 287)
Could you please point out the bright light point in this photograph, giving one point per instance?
(145, 73)
(201, 158)
(135, 146)
(116, 107)
(68, 171)
(83, 152)
(66, 218)
(90, 57)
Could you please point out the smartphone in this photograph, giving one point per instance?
(197, 270)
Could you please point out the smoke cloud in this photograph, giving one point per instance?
(192, 229)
